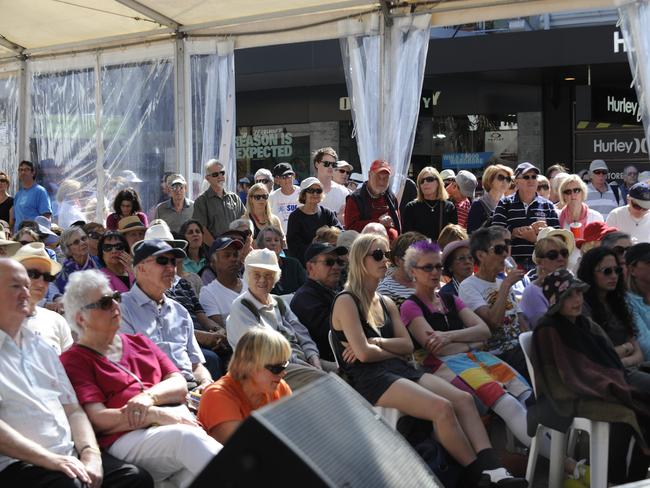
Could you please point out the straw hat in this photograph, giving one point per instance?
(36, 250)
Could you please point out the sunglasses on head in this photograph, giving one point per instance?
(553, 254)
(76, 242)
(504, 178)
(317, 191)
(261, 196)
(568, 191)
(599, 172)
(329, 262)
(327, 164)
(379, 255)
(114, 247)
(636, 206)
(164, 260)
(264, 181)
(620, 250)
(34, 274)
(428, 268)
(105, 302)
(276, 368)
(428, 179)
(612, 269)
(528, 177)
(542, 187)
(217, 174)
(344, 171)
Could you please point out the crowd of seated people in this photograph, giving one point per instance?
(130, 320)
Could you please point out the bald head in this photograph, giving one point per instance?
(14, 295)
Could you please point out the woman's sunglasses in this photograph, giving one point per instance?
(501, 248)
(553, 254)
(94, 235)
(276, 368)
(316, 191)
(428, 268)
(428, 179)
(260, 196)
(114, 247)
(105, 302)
(379, 255)
(34, 274)
(612, 269)
(568, 191)
(504, 178)
(344, 171)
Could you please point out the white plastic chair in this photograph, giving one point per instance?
(390, 415)
(598, 439)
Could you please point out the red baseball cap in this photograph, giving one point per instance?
(378, 165)
(595, 231)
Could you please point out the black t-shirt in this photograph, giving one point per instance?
(5, 207)
(302, 228)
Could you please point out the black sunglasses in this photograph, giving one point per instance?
(542, 187)
(379, 255)
(217, 174)
(428, 179)
(288, 176)
(620, 250)
(317, 191)
(105, 302)
(612, 269)
(94, 235)
(24, 243)
(164, 261)
(504, 178)
(263, 180)
(501, 248)
(276, 368)
(114, 247)
(260, 196)
(553, 254)
(35, 274)
(528, 177)
(327, 164)
(429, 267)
(344, 171)
(568, 191)
(599, 172)
(329, 262)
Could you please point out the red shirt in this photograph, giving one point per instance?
(378, 207)
(96, 379)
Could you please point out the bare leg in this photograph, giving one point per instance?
(412, 399)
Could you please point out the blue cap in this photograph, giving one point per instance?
(525, 168)
(155, 247)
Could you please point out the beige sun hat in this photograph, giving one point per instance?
(36, 250)
(161, 231)
(9, 247)
(564, 234)
(262, 258)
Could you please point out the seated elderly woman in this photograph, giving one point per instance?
(74, 244)
(293, 275)
(578, 373)
(114, 255)
(255, 378)
(132, 393)
(451, 336)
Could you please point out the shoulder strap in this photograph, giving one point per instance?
(249, 305)
(448, 301)
(281, 305)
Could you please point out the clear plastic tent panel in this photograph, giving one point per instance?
(9, 100)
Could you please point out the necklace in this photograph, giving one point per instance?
(431, 207)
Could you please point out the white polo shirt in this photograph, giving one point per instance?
(638, 229)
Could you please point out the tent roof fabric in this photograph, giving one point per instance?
(43, 27)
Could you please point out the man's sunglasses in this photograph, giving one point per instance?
(327, 164)
(378, 255)
(164, 261)
(276, 368)
(504, 178)
(528, 177)
(612, 269)
(428, 268)
(114, 247)
(599, 172)
(428, 179)
(34, 274)
(568, 191)
(344, 171)
(264, 181)
(553, 254)
(216, 174)
(260, 196)
(317, 191)
(105, 302)
(329, 262)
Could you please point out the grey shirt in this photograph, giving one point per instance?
(174, 219)
(216, 213)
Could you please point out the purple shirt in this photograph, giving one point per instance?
(533, 304)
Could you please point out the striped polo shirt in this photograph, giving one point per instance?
(602, 202)
(511, 213)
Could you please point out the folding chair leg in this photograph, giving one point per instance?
(533, 452)
(558, 455)
(599, 454)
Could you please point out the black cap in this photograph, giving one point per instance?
(282, 169)
(525, 168)
(638, 252)
(155, 247)
(241, 235)
(322, 248)
(640, 192)
(221, 243)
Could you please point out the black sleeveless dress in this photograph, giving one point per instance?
(371, 380)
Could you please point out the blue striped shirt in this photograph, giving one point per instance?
(511, 213)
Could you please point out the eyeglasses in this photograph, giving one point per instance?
(528, 177)
(105, 302)
(264, 181)
(379, 255)
(501, 248)
(114, 247)
(260, 196)
(620, 250)
(288, 176)
(464, 259)
(542, 187)
(329, 262)
(553, 254)
(428, 268)
(449, 181)
(94, 235)
(165, 261)
(177, 187)
(316, 191)
(568, 191)
(276, 368)
(428, 179)
(327, 164)
(599, 172)
(504, 178)
(608, 271)
(34, 274)
(344, 171)
(636, 206)
(76, 242)
(217, 174)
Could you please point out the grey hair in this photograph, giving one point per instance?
(481, 239)
(212, 162)
(265, 172)
(67, 235)
(80, 284)
(612, 237)
(413, 254)
(237, 223)
(259, 242)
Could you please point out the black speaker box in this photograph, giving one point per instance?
(325, 435)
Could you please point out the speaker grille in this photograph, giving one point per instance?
(344, 440)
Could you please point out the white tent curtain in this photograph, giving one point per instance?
(635, 26)
(384, 74)
(212, 95)
(9, 100)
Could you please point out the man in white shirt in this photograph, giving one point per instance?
(601, 196)
(634, 218)
(325, 160)
(284, 200)
(46, 439)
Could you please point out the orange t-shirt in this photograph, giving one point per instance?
(225, 401)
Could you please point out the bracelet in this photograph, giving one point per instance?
(88, 446)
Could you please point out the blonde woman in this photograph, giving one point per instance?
(254, 379)
(258, 210)
(496, 181)
(6, 200)
(432, 210)
(371, 342)
(573, 193)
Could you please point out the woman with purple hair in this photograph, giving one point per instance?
(451, 337)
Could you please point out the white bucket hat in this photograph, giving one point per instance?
(161, 231)
(262, 258)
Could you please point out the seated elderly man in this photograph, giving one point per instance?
(42, 271)
(258, 308)
(312, 302)
(45, 437)
(146, 310)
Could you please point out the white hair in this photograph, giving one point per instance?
(264, 172)
(212, 162)
(237, 223)
(80, 285)
(375, 228)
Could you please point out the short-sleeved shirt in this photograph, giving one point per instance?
(603, 202)
(174, 219)
(225, 401)
(216, 299)
(30, 203)
(97, 379)
(167, 324)
(410, 310)
(33, 390)
(335, 198)
(216, 212)
(282, 205)
(638, 229)
(476, 293)
(52, 328)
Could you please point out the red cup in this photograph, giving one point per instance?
(576, 229)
